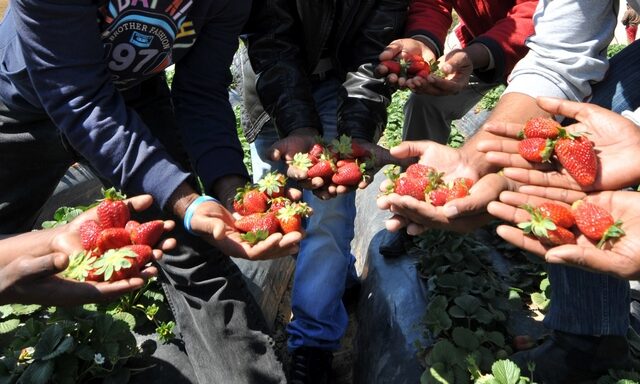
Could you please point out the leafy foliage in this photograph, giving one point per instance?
(613, 49)
(392, 135)
(490, 99)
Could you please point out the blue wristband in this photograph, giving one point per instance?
(191, 209)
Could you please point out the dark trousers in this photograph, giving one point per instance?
(217, 319)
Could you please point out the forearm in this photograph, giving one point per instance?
(479, 55)
(36, 243)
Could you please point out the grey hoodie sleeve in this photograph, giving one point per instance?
(568, 51)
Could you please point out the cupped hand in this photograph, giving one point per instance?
(404, 48)
(457, 68)
(459, 215)
(216, 224)
(616, 139)
(32, 279)
(620, 257)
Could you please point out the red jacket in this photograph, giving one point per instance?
(501, 25)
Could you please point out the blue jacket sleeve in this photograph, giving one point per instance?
(201, 96)
(64, 57)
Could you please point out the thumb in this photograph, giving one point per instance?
(274, 152)
(587, 258)
(41, 266)
(410, 149)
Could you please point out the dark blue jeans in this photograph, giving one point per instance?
(217, 319)
(590, 303)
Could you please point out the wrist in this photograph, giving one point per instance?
(181, 198)
(191, 210)
(479, 55)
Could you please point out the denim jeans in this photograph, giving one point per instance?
(584, 302)
(428, 117)
(217, 319)
(324, 265)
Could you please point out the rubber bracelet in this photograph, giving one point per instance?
(191, 209)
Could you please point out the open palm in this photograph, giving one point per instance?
(616, 139)
(620, 257)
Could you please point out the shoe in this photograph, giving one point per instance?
(567, 358)
(393, 244)
(310, 366)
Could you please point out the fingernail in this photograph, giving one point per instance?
(450, 210)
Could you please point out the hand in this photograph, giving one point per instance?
(32, 280)
(456, 66)
(299, 141)
(404, 48)
(620, 257)
(617, 142)
(459, 215)
(216, 225)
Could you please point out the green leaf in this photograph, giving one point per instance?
(38, 372)
(64, 346)
(506, 372)
(540, 300)
(496, 338)
(465, 338)
(85, 352)
(5, 311)
(49, 340)
(468, 303)
(23, 310)
(127, 318)
(483, 316)
(9, 326)
(457, 312)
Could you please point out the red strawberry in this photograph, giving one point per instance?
(89, 233)
(438, 196)
(112, 238)
(595, 222)
(349, 174)
(272, 184)
(393, 66)
(249, 200)
(323, 168)
(466, 181)
(424, 73)
(411, 186)
(112, 210)
(117, 264)
(577, 156)
(148, 233)
(414, 64)
(278, 203)
(258, 221)
(557, 213)
(131, 225)
(316, 150)
(92, 275)
(144, 253)
(543, 127)
(419, 170)
(522, 342)
(457, 190)
(290, 219)
(535, 149)
(545, 229)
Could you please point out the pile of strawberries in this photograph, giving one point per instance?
(551, 223)
(409, 66)
(342, 162)
(425, 183)
(543, 137)
(115, 247)
(266, 210)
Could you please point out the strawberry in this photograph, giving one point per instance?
(438, 196)
(393, 66)
(411, 186)
(543, 127)
(278, 203)
(323, 168)
(535, 149)
(289, 219)
(414, 64)
(347, 149)
(457, 190)
(131, 225)
(419, 170)
(557, 213)
(147, 233)
(522, 342)
(112, 210)
(93, 275)
(316, 150)
(545, 229)
(303, 161)
(117, 264)
(249, 199)
(144, 253)
(466, 181)
(258, 221)
(595, 222)
(424, 73)
(577, 156)
(349, 174)
(272, 184)
(112, 238)
(89, 233)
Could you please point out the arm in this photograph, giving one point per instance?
(74, 87)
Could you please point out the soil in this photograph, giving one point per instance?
(342, 369)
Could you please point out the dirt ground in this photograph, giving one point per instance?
(342, 370)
